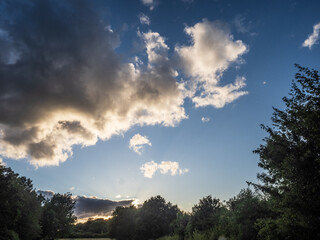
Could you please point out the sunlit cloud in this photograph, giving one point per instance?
(137, 143)
(313, 37)
(212, 52)
(61, 107)
(118, 196)
(150, 168)
(144, 19)
(205, 119)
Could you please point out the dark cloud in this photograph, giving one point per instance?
(46, 193)
(89, 207)
(61, 82)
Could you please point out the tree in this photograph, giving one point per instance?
(155, 218)
(245, 210)
(205, 214)
(20, 209)
(57, 216)
(290, 158)
(123, 223)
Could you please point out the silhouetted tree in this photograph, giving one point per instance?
(205, 214)
(123, 223)
(290, 158)
(155, 218)
(20, 207)
(57, 216)
(244, 211)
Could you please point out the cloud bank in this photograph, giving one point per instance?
(313, 37)
(93, 207)
(62, 84)
(137, 143)
(150, 168)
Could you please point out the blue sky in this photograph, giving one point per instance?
(187, 83)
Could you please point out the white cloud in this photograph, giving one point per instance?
(149, 168)
(149, 3)
(264, 82)
(118, 196)
(212, 52)
(72, 188)
(313, 37)
(205, 119)
(144, 19)
(137, 143)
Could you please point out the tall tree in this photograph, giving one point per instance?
(290, 158)
(205, 214)
(155, 218)
(123, 223)
(57, 216)
(20, 207)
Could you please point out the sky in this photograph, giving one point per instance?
(118, 101)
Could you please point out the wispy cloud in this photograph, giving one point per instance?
(313, 37)
(137, 143)
(149, 168)
(205, 119)
(144, 19)
(149, 3)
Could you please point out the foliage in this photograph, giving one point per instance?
(291, 160)
(20, 207)
(123, 223)
(57, 216)
(155, 218)
(92, 228)
(205, 214)
(245, 210)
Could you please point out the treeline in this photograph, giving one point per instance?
(26, 215)
(209, 219)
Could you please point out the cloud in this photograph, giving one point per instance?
(137, 141)
(87, 207)
(67, 86)
(264, 82)
(47, 194)
(144, 19)
(205, 119)
(212, 52)
(149, 3)
(118, 196)
(91, 206)
(313, 37)
(149, 168)
(62, 83)
(2, 163)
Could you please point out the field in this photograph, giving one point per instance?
(85, 239)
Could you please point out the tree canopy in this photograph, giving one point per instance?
(290, 158)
